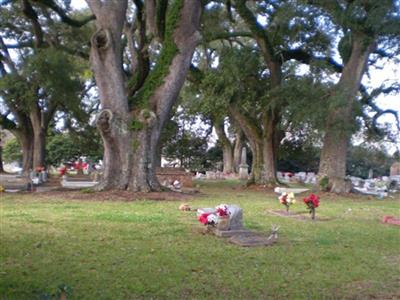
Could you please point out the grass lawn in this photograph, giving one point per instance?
(151, 250)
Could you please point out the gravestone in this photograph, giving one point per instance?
(77, 184)
(370, 173)
(395, 169)
(210, 175)
(170, 175)
(234, 229)
(235, 226)
(243, 167)
(15, 182)
(301, 176)
(311, 178)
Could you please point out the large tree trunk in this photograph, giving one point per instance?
(131, 137)
(185, 37)
(237, 149)
(257, 165)
(39, 145)
(25, 138)
(39, 137)
(24, 134)
(262, 143)
(340, 122)
(270, 123)
(227, 159)
(227, 150)
(113, 120)
(1, 159)
(27, 153)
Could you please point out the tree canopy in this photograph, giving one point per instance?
(284, 78)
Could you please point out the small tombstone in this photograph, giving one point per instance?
(301, 176)
(395, 169)
(230, 224)
(210, 175)
(370, 174)
(232, 227)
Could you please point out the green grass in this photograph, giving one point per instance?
(151, 250)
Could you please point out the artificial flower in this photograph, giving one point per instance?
(203, 218)
(212, 219)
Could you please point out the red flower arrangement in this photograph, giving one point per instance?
(312, 203)
(203, 218)
(215, 216)
(222, 211)
(62, 171)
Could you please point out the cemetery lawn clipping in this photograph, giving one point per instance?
(148, 249)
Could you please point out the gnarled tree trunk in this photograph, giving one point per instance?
(113, 120)
(338, 128)
(185, 37)
(131, 133)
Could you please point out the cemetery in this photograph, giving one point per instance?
(116, 248)
(189, 149)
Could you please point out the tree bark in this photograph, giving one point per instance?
(131, 133)
(24, 133)
(338, 128)
(25, 137)
(39, 151)
(39, 136)
(185, 37)
(1, 159)
(270, 124)
(270, 117)
(113, 120)
(27, 153)
(237, 149)
(227, 150)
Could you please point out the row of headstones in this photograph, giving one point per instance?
(382, 184)
(302, 177)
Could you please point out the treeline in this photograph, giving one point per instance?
(262, 74)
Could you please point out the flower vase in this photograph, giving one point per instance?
(223, 223)
(313, 213)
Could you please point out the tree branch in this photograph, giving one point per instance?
(31, 14)
(5, 56)
(367, 98)
(227, 36)
(142, 68)
(64, 18)
(306, 58)
(150, 9)
(257, 30)
(387, 111)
